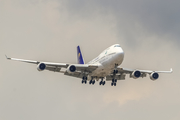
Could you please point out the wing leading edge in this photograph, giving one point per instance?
(126, 70)
(143, 73)
(56, 67)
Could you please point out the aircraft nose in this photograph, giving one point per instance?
(120, 53)
(120, 50)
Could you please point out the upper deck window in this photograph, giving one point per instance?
(117, 46)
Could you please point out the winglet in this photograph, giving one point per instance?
(7, 57)
(171, 70)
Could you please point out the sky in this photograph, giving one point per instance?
(50, 30)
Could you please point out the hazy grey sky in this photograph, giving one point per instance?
(50, 30)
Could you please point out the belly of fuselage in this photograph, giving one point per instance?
(107, 66)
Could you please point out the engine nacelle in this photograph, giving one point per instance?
(71, 69)
(154, 76)
(41, 66)
(136, 74)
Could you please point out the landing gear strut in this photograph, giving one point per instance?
(102, 82)
(84, 80)
(92, 82)
(114, 81)
(115, 71)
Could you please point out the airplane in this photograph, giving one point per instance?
(105, 67)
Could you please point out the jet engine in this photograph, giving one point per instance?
(41, 66)
(136, 74)
(154, 76)
(71, 69)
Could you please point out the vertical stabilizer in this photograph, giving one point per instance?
(80, 59)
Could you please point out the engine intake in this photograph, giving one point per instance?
(154, 76)
(136, 74)
(71, 69)
(41, 67)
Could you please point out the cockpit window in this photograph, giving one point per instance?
(117, 46)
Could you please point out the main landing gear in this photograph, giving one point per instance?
(114, 81)
(102, 82)
(92, 82)
(84, 80)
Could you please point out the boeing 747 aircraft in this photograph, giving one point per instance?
(105, 67)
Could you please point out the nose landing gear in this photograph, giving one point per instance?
(114, 81)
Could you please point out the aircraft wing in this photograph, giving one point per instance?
(122, 72)
(126, 70)
(77, 74)
(56, 67)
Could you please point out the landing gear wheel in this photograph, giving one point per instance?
(115, 71)
(115, 80)
(84, 79)
(90, 82)
(100, 83)
(93, 82)
(112, 84)
(104, 82)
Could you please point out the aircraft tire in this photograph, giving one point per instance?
(100, 83)
(104, 82)
(93, 82)
(115, 80)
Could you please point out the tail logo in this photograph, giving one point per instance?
(79, 56)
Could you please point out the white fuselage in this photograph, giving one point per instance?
(107, 61)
